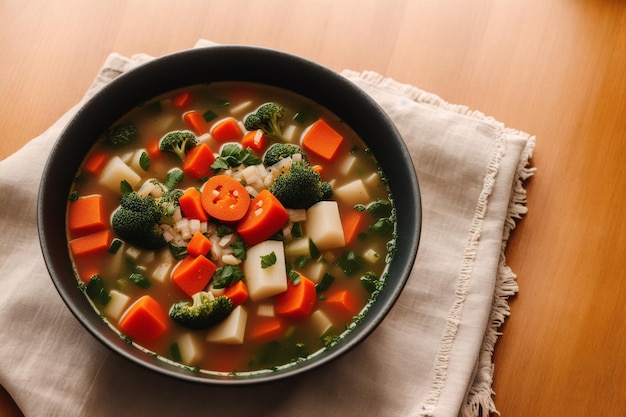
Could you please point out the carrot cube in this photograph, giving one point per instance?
(193, 274)
(343, 302)
(267, 329)
(191, 205)
(237, 292)
(226, 130)
(153, 150)
(198, 161)
(90, 244)
(199, 245)
(95, 162)
(254, 140)
(196, 122)
(353, 223)
(86, 215)
(145, 320)
(322, 140)
(182, 100)
(298, 301)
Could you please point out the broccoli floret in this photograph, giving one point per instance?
(178, 142)
(121, 135)
(267, 118)
(137, 220)
(204, 312)
(279, 151)
(300, 187)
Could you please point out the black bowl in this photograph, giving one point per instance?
(226, 63)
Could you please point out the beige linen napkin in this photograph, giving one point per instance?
(430, 357)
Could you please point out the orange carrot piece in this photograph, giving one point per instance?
(195, 121)
(322, 140)
(318, 168)
(145, 320)
(224, 198)
(198, 161)
(353, 223)
(193, 274)
(153, 150)
(254, 140)
(95, 162)
(297, 301)
(182, 100)
(267, 329)
(199, 245)
(265, 216)
(343, 302)
(90, 244)
(237, 292)
(191, 205)
(226, 130)
(86, 215)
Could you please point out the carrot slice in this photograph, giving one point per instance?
(196, 122)
(191, 205)
(297, 301)
(95, 162)
(353, 223)
(193, 274)
(224, 198)
(265, 216)
(343, 302)
(145, 320)
(182, 100)
(322, 140)
(254, 140)
(237, 292)
(198, 161)
(86, 215)
(90, 244)
(199, 245)
(226, 130)
(267, 329)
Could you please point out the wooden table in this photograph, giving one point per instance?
(553, 68)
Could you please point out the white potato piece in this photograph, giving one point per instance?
(115, 171)
(231, 330)
(320, 322)
(323, 225)
(190, 348)
(265, 282)
(298, 247)
(116, 305)
(352, 193)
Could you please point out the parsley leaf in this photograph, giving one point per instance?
(268, 260)
(226, 275)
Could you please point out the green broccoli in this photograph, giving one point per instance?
(279, 151)
(178, 142)
(267, 118)
(137, 220)
(300, 187)
(121, 135)
(204, 312)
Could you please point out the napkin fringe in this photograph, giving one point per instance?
(480, 396)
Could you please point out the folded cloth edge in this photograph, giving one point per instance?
(479, 399)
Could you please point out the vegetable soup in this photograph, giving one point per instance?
(230, 227)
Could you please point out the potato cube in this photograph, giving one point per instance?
(231, 330)
(269, 281)
(323, 225)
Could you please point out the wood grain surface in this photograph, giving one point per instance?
(552, 68)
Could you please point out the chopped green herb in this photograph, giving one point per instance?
(175, 352)
(115, 245)
(226, 275)
(209, 115)
(173, 178)
(294, 277)
(349, 263)
(73, 196)
(325, 283)
(233, 155)
(125, 187)
(140, 280)
(315, 252)
(296, 230)
(96, 291)
(268, 260)
(383, 226)
(239, 249)
(370, 282)
(145, 161)
(301, 261)
(380, 208)
(223, 230)
(179, 252)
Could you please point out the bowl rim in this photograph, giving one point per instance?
(139, 83)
